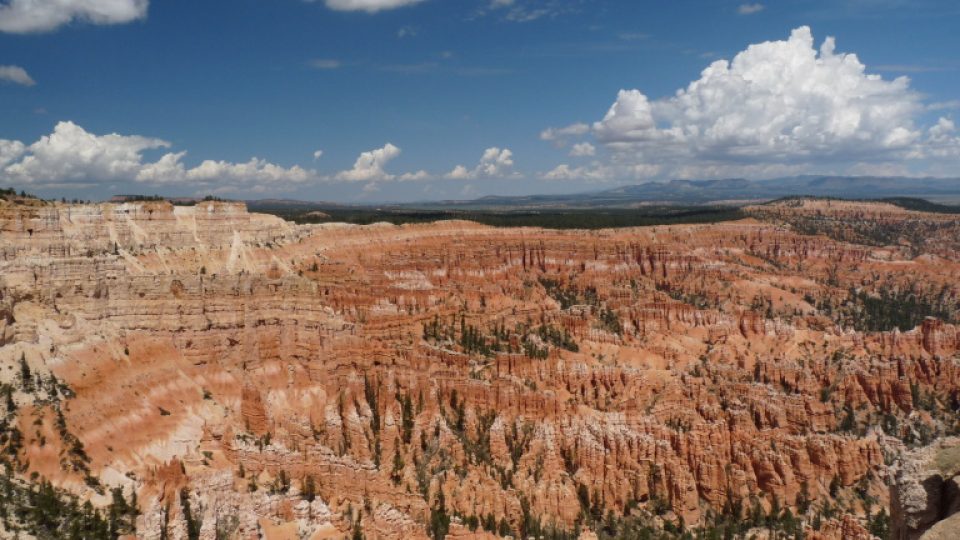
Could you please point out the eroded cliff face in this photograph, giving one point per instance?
(312, 381)
(925, 494)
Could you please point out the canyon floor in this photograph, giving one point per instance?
(173, 372)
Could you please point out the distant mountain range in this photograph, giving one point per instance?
(730, 191)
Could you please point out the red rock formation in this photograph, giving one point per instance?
(680, 369)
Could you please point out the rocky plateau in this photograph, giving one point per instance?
(789, 375)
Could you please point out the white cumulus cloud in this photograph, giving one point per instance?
(9, 151)
(494, 163)
(16, 75)
(942, 139)
(71, 154)
(775, 99)
(412, 176)
(778, 105)
(942, 131)
(459, 173)
(370, 165)
(370, 6)
(583, 149)
(27, 16)
(566, 172)
(169, 169)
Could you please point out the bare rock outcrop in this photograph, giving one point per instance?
(926, 491)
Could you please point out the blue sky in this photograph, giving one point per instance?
(428, 99)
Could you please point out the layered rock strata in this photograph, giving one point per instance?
(306, 381)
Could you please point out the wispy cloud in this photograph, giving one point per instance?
(633, 36)
(444, 62)
(370, 6)
(325, 63)
(482, 71)
(560, 135)
(911, 68)
(527, 15)
(418, 67)
(750, 9)
(944, 105)
(16, 75)
(521, 11)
